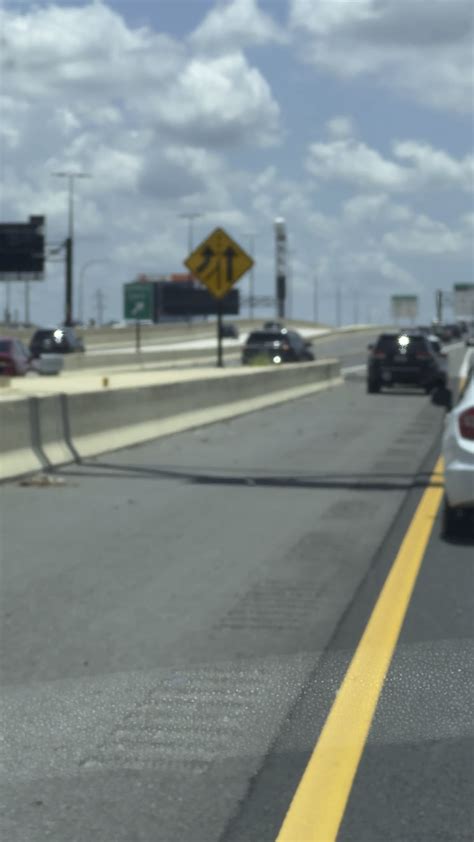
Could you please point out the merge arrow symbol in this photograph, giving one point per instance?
(230, 253)
(207, 254)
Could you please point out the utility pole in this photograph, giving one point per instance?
(100, 304)
(251, 239)
(190, 216)
(69, 244)
(439, 305)
(84, 268)
(355, 293)
(338, 303)
(27, 303)
(315, 300)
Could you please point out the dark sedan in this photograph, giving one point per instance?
(276, 346)
(59, 340)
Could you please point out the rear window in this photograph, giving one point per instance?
(260, 336)
(390, 343)
(42, 334)
(5, 345)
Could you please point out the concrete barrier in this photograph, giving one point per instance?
(19, 440)
(55, 430)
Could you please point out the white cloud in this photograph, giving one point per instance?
(339, 127)
(421, 48)
(425, 236)
(218, 101)
(354, 162)
(236, 24)
(86, 63)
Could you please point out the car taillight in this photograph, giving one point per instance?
(379, 355)
(422, 356)
(285, 346)
(466, 423)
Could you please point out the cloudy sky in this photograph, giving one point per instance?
(350, 118)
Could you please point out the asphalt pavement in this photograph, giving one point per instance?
(176, 620)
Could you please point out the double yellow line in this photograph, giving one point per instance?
(318, 806)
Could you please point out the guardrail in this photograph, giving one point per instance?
(44, 432)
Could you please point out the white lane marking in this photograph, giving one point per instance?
(352, 368)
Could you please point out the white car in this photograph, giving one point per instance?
(458, 453)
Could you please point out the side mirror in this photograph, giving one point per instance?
(370, 346)
(308, 343)
(442, 396)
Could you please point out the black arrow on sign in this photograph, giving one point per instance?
(208, 254)
(230, 253)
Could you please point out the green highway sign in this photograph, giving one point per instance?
(138, 302)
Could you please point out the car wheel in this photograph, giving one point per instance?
(373, 387)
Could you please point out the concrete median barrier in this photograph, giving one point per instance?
(54, 430)
(19, 440)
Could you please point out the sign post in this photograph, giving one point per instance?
(219, 262)
(138, 306)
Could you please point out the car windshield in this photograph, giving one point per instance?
(236, 493)
(261, 337)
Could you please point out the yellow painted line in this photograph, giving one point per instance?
(318, 805)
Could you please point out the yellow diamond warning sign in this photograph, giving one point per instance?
(218, 263)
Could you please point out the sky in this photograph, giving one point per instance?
(352, 119)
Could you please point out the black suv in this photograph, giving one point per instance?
(404, 358)
(58, 340)
(277, 346)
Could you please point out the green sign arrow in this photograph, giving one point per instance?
(138, 302)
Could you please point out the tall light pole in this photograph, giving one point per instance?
(315, 300)
(69, 243)
(190, 216)
(251, 240)
(84, 269)
(338, 303)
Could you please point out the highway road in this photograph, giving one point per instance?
(180, 623)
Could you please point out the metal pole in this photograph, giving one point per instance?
(8, 308)
(338, 303)
(69, 245)
(315, 300)
(251, 275)
(138, 344)
(27, 303)
(220, 362)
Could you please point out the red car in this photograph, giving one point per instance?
(15, 359)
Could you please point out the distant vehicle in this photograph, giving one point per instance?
(15, 359)
(229, 331)
(469, 336)
(404, 359)
(273, 326)
(277, 346)
(458, 454)
(59, 340)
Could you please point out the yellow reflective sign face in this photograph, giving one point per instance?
(218, 263)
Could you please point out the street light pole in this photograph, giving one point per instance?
(338, 303)
(69, 243)
(251, 239)
(190, 216)
(84, 268)
(315, 300)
